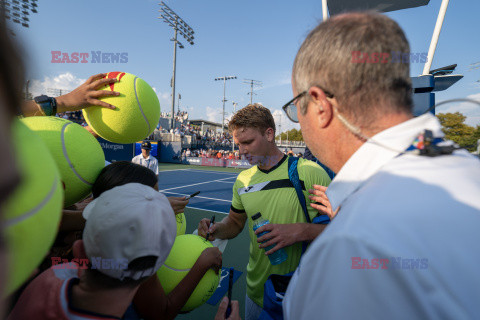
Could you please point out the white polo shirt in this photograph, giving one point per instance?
(405, 243)
(150, 162)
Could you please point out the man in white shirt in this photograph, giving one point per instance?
(404, 243)
(145, 159)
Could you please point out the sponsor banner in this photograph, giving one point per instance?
(244, 164)
(115, 151)
(214, 162)
(195, 161)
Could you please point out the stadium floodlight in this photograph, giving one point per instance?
(173, 20)
(224, 100)
(17, 12)
(252, 83)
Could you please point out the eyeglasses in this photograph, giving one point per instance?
(290, 107)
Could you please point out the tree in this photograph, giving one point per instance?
(293, 135)
(456, 130)
(476, 136)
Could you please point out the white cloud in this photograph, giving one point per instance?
(165, 99)
(282, 122)
(214, 115)
(65, 81)
(469, 109)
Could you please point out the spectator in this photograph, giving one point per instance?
(397, 199)
(105, 290)
(150, 301)
(145, 159)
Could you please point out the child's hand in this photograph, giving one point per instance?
(322, 204)
(211, 258)
(235, 315)
(178, 204)
(88, 94)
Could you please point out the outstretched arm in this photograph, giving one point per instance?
(86, 95)
(152, 303)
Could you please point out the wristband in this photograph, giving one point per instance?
(47, 104)
(322, 219)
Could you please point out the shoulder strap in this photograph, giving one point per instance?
(295, 180)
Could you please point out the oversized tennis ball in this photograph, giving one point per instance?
(32, 213)
(181, 223)
(77, 153)
(185, 252)
(136, 115)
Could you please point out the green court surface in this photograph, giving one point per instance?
(235, 255)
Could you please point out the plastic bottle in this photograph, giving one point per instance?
(278, 256)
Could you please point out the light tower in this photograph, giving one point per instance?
(252, 83)
(173, 20)
(18, 11)
(224, 83)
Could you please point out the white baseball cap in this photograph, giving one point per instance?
(125, 223)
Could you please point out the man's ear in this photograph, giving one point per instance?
(322, 107)
(79, 250)
(270, 133)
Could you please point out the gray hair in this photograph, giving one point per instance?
(363, 91)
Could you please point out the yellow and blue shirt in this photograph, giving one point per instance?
(271, 193)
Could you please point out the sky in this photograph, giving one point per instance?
(249, 39)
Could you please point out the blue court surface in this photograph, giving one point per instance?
(214, 199)
(215, 187)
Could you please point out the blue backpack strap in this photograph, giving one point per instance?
(322, 219)
(295, 180)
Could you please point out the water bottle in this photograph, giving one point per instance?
(278, 256)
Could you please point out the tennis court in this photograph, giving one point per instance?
(215, 187)
(215, 198)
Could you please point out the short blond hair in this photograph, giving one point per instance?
(252, 116)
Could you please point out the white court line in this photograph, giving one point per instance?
(172, 170)
(226, 182)
(195, 184)
(200, 197)
(209, 171)
(207, 210)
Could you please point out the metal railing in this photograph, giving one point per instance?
(286, 143)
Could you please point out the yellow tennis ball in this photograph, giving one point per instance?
(181, 223)
(77, 153)
(136, 115)
(32, 213)
(185, 252)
